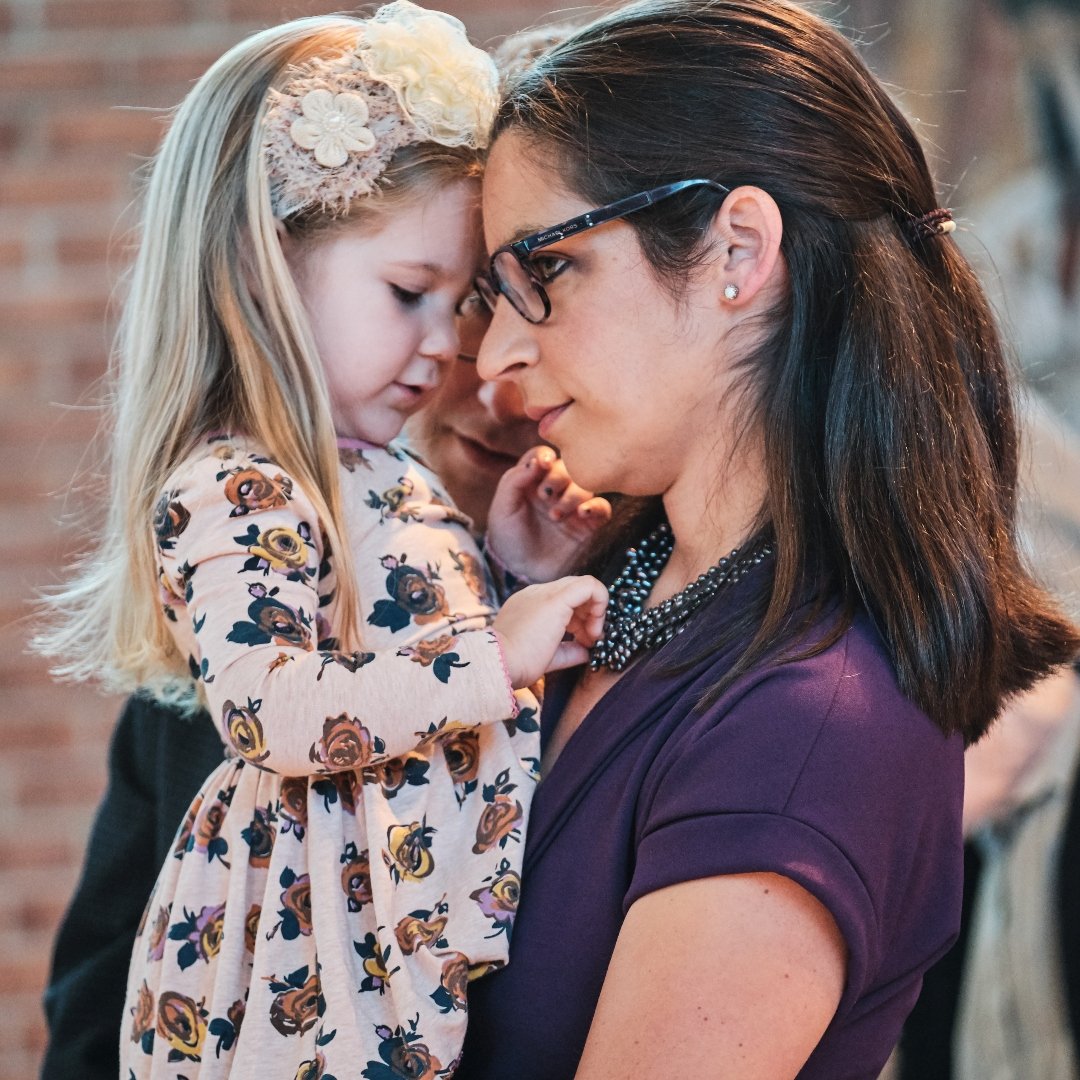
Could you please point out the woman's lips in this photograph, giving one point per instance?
(549, 418)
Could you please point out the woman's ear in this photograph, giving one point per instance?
(746, 235)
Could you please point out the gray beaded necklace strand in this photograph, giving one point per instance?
(631, 627)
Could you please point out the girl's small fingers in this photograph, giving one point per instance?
(595, 511)
(538, 460)
(555, 482)
(568, 654)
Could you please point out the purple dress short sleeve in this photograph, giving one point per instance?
(818, 769)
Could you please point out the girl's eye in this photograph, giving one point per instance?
(547, 267)
(404, 296)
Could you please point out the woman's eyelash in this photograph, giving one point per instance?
(406, 296)
(548, 267)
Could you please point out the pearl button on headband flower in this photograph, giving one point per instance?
(333, 123)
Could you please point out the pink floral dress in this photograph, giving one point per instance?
(355, 860)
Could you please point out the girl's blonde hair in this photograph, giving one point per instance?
(214, 337)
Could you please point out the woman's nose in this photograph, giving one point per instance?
(508, 346)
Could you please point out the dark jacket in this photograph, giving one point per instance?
(158, 759)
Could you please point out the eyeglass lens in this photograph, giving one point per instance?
(518, 287)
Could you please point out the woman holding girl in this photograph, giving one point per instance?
(722, 280)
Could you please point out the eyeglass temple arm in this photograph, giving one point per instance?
(613, 210)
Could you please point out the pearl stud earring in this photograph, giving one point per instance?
(731, 292)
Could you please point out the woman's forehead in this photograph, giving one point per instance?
(522, 194)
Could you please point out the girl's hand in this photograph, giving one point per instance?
(540, 519)
(549, 627)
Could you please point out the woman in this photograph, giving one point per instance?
(724, 286)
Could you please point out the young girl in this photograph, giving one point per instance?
(309, 237)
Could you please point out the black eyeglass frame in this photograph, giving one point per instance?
(490, 285)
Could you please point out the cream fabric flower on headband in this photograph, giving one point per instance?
(333, 126)
(446, 87)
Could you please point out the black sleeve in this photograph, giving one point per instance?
(157, 761)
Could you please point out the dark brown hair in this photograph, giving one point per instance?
(883, 391)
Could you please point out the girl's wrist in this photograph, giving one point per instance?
(507, 580)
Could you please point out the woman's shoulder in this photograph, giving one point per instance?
(825, 723)
(847, 685)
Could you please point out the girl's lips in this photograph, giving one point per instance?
(548, 419)
(411, 395)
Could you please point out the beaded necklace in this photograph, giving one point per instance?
(630, 627)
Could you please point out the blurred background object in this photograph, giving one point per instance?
(85, 88)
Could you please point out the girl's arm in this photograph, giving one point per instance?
(735, 976)
(243, 572)
(242, 558)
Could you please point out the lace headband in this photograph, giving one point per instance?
(332, 128)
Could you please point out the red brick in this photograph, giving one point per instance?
(25, 1020)
(11, 136)
(105, 129)
(275, 11)
(52, 71)
(26, 186)
(26, 953)
(49, 306)
(181, 67)
(12, 253)
(38, 782)
(6, 20)
(113, 14)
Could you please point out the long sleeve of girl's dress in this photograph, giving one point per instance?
(248, 582)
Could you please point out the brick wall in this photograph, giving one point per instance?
(82, 86)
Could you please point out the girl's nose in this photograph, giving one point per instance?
(441, 341)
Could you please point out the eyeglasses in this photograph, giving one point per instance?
(512, 274)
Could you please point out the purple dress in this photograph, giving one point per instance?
(819, 769)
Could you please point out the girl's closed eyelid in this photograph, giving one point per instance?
(405, 296)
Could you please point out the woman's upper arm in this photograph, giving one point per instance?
(735, 976)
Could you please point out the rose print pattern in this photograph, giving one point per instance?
(372, 796)
(201, 935)
(356, 877)
(245, 733)
(501, 818)
(415, 596)
(298, 1003)
(345, 744)
(296, 905)
(249, 489)
(170, 520)
(498, 900)
(393, 502)
(453, 983)
(280, 550)
(403, 1055)
(181, 1024)
(408, 856)
(376, 975)
(423, 929)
